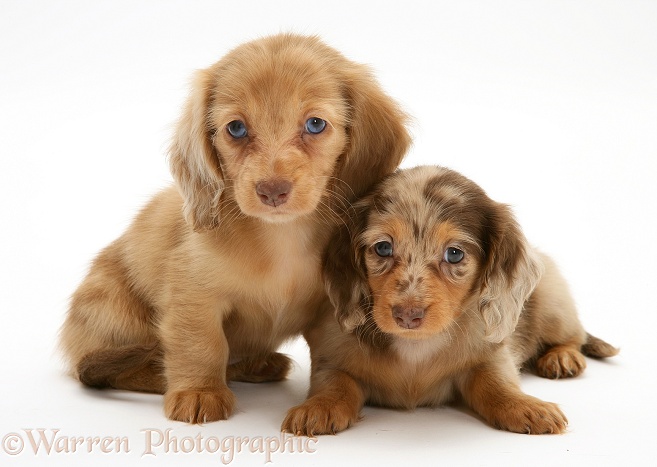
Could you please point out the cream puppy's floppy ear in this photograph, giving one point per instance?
(378, 138)
(194, 161)
(345, 274)
(511, 271)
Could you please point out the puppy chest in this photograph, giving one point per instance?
(392, 381)
(253, 327)
(281, 296)
(408, 391)
(288, 279)
(279, 264)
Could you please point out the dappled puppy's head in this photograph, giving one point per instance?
(425, 247)
(278, 126)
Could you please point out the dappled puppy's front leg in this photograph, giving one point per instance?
(494, 393)
(333, 405)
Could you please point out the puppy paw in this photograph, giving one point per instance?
(530, 416)
(319, 416)
(199, 406)
(274, 367)
(561, 362)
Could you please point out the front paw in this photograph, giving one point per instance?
(199, 406)
(529, 415)
(319, 416)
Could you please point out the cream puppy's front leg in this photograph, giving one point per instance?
(195, 359)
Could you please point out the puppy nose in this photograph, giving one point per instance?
(273, 192)
(408, 317)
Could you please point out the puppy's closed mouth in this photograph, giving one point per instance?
(278, 211)
(274, 202)
(416, 321)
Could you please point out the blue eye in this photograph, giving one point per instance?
(383, 249)
(237, 129)
(453, 255)
(315, 125)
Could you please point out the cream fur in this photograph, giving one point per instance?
(210, 272)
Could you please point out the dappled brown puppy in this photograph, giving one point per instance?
(216, 272)
(438, 297)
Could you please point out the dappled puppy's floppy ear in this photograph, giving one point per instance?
(511, 271)
(378, 138)
(344, 272)
(194, 161)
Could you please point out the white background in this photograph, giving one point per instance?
(551, 106)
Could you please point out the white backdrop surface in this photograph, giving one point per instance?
(551, 106)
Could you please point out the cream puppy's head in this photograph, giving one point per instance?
(280, 126)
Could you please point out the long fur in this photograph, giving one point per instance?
(216, 270)
(414, 329)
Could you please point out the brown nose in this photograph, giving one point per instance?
(273, 192)
(408, 317)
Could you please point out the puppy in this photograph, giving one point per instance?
(438, 297)
(275, 139)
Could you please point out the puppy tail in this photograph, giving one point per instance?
(133, 368)
(597, 348)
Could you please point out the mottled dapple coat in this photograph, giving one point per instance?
(439, 297)
(275, 140)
